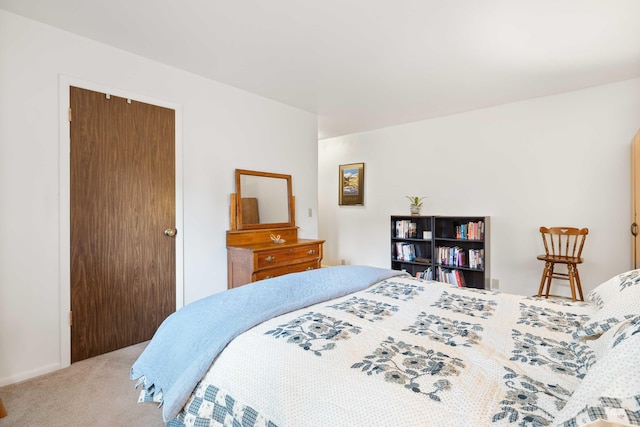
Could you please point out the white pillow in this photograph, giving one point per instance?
(604, 292)
(618, 299)
(611, 389)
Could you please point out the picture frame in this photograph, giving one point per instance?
(351, 184)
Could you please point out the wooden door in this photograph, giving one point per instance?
(635, 201)
(122, 201)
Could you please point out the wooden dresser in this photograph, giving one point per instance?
(264, 208)
(252, 255)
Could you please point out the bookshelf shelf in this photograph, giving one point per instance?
(460, 267)
(462, 242)
(449, 239)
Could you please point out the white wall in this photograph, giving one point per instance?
(562, 160)
(220, 124)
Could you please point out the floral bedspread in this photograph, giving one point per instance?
(402, 352)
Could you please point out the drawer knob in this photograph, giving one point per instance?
(311, 251)
(270, 258)
(268, 277)
(309, 268)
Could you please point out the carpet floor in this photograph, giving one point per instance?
(92, 392)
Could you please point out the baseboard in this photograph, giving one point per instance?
(28, 375)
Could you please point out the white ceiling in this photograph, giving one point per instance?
(367, 64)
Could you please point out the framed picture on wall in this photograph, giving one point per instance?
(351, 179)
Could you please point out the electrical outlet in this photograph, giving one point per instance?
(342, 262)
(495, 284)
(310, 212)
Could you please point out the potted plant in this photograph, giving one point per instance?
(416, 204)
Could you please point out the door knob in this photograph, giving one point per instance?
(170, 232)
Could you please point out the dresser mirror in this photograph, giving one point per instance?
(263, 200)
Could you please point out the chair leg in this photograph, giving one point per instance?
(572, 280)
(543, 279)
(549, 277)
(579, 285)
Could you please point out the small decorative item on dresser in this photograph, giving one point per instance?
(416, 204)
(277, 239)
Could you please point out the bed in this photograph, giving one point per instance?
(356, 345)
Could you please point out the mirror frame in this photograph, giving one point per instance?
(238, 207)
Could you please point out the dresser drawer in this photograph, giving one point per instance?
(279, 271)
(261, 260)
(280, 257)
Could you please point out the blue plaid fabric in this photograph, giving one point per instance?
(599, 327)
(626, 411)
(217, 408)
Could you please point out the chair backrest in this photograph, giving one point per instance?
(564, 241)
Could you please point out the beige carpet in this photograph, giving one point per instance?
(93, 392)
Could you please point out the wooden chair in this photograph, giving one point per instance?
(562, 245)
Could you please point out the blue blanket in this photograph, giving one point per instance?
(188, 341)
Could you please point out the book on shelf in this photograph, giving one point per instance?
(417, 251)
(457, 257)
(409, 251)
(473, 230)
(476, 258)
(459, 279)
(426, 274)
(452, 276)
(402, 229)
(405, 251)
(453, 256)
(405, 229)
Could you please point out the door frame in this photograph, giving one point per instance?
(64, 161)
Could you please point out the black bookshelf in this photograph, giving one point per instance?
(452, 249)
(420, 236)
